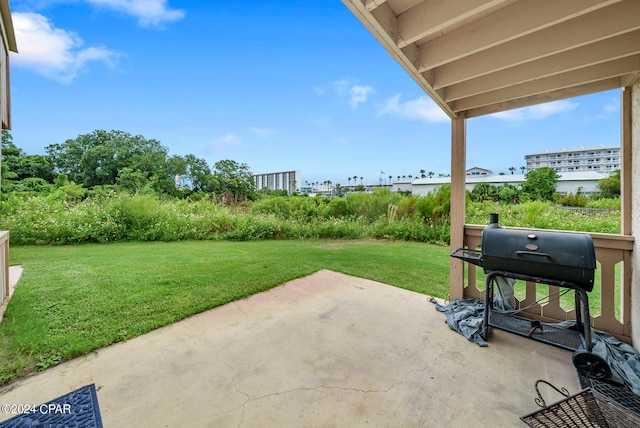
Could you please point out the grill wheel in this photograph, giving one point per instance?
(591, 365)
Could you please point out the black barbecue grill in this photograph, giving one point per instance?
(561, 259)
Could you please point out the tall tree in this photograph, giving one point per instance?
(35, 166)
(199, 174)
(235, 178)
(540, 183)
(9, 159)
(95, 159)
(609, 187)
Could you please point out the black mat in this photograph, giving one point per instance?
(78, 408)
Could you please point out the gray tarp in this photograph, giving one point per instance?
(465, 316)
(623, 359)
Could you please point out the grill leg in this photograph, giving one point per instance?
(585, 325)
(578, 305)
(488, 304)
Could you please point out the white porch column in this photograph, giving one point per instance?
(630, 222)
(458, 197)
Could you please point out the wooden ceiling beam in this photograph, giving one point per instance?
(372, 4)
(609, 22)
(435, 16)
(584, 56)
(555, 83)
(508, 23)
(572, 92)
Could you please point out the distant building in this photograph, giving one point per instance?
(475, 171)
(588, 159)
(569, 182)
(287, 180)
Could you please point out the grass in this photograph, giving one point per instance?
(72, 300)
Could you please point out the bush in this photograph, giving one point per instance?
(54, 218)
(571, 200)
(544, 215)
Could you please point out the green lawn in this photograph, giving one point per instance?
(72, 300)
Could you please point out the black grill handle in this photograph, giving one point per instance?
(532, 253)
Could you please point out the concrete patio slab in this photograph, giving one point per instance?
(328, 350)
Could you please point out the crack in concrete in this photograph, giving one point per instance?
(236, 389)
(315, 388)
(249, 399)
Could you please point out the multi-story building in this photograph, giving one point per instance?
(287, 180)
(595, 158)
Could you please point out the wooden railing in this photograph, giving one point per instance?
(4, 266)
(613, 274)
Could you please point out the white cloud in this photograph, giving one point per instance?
(609, 109)
(340, 86)
(421, 108)
(221, 143)
(150, 13)
(358, 94)
(345, 88)
(537, 112)
(53, 52)
(262, 132)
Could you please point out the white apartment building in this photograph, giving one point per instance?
(584, 159)
(287, 180)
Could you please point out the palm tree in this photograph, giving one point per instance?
(431, 174)
(398, 178)
(361, 181)
(422, 173)
(349, 179)
(512, 169)
(522, 168)
(390, 177)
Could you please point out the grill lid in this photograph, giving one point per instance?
(560, 256)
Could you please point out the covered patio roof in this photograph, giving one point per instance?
(476, 57)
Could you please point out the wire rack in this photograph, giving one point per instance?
(587, 408)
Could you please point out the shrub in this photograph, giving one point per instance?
(571, 200)
(53, 218)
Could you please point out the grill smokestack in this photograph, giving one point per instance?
(493, 220)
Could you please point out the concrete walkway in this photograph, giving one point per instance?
(328, 350)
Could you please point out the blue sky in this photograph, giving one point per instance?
(278, 85)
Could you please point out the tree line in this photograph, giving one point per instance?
(118, 160)
(540, 185)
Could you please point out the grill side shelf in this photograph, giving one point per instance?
(470, 256)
